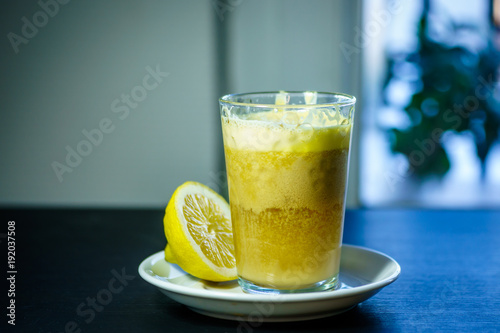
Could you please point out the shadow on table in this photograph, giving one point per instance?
(353, 319)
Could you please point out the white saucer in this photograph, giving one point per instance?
(363, 273)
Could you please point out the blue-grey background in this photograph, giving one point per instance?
(84, 55)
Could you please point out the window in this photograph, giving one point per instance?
(431, 105)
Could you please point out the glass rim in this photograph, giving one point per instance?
(350, 100)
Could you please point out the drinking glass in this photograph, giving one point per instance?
(287, 160)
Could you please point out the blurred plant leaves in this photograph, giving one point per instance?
(454, 92)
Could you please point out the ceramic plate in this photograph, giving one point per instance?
(363, 273)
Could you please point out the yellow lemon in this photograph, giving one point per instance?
(197, 225)
(169, 256)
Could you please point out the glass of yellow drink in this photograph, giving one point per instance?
(287, 157)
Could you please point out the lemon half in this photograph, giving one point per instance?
(198, 228)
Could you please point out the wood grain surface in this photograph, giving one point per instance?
(77, 272)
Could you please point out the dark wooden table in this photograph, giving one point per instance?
(77, 272)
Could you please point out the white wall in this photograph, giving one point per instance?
(65, 79)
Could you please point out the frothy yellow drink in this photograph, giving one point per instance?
(287, 186)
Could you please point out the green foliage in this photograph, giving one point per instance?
(455, 92)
